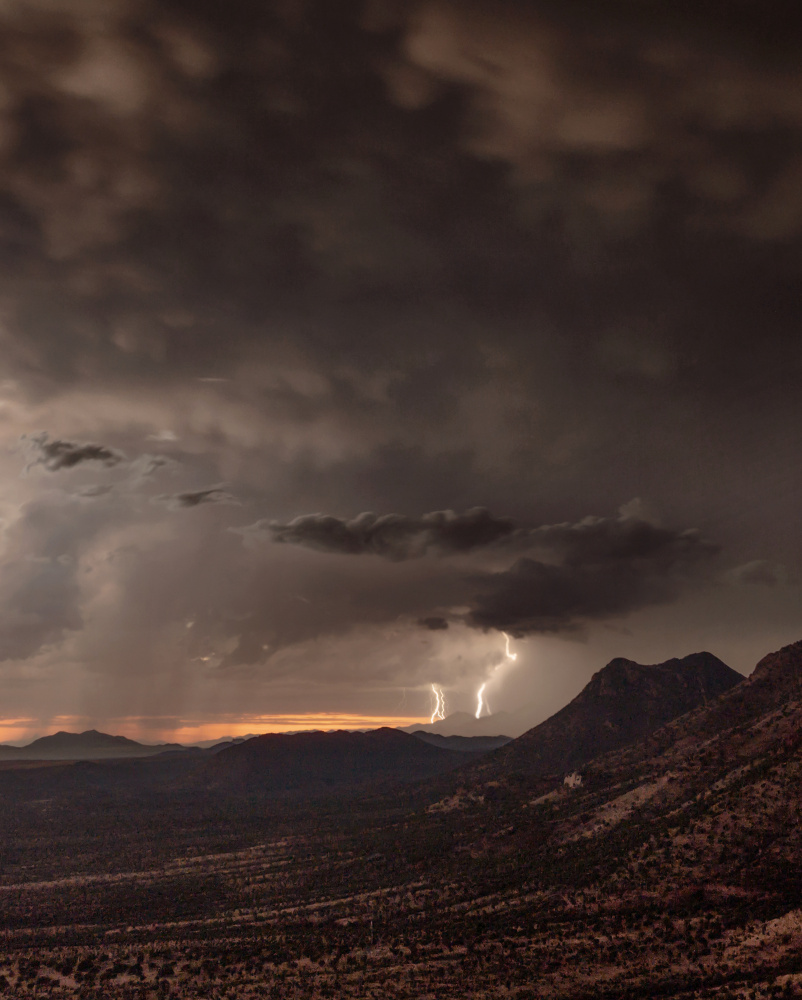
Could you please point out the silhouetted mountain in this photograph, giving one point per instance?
(464, 744)
(465, 724)
(222, 741)
(315, 763)
(89, 745)
(623, 702)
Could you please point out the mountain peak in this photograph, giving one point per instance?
(88, 745)
(703, 671)
(621, 703)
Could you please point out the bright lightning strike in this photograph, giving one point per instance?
(481, 704)
(480, 700)
(440, 704)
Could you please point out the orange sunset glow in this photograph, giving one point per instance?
(154, 730)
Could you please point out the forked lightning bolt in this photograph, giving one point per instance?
(440, 703)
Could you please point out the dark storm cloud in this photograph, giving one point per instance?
(395, 536)
(607, 568)
(627, 538)
(636, 102)
(595, 569)
(426, 256)
(538, 597)
(56, 454)
(407, 217)
(174, 209)
(196, 498)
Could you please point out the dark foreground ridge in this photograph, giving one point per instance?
(672, 869)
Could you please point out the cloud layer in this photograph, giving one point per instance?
(395, 536)
(597, 568)
(522, 257)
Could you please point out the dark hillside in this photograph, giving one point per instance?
(622, 703)
(317, 763)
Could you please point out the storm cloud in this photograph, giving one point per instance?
(516, 256)
(601, 568)
(395, 536)
(596, 568)
(56, 454)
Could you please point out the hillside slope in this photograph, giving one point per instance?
(623, 702)
(316, 763)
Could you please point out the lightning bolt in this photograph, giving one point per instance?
(480, 700)
(440, 703)
(481, 704)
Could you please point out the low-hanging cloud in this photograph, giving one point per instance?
(60, 454)
(627, 538)
(592, 569)
(601, 568)
(394, 536)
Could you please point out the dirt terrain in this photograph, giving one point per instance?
(672, 870)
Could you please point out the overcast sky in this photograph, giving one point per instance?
(340, 338)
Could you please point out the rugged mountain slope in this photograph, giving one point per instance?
(316, 763)
(89, 745)
(622, 703)
(674, 869)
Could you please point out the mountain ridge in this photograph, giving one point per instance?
(623, 702)
(88, 745)
(318, 763)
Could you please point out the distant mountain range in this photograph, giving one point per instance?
(89, 745)
(465, 724)
(464, 744)
(94, 745)
(222, 741)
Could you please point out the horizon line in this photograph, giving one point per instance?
(154, 730)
